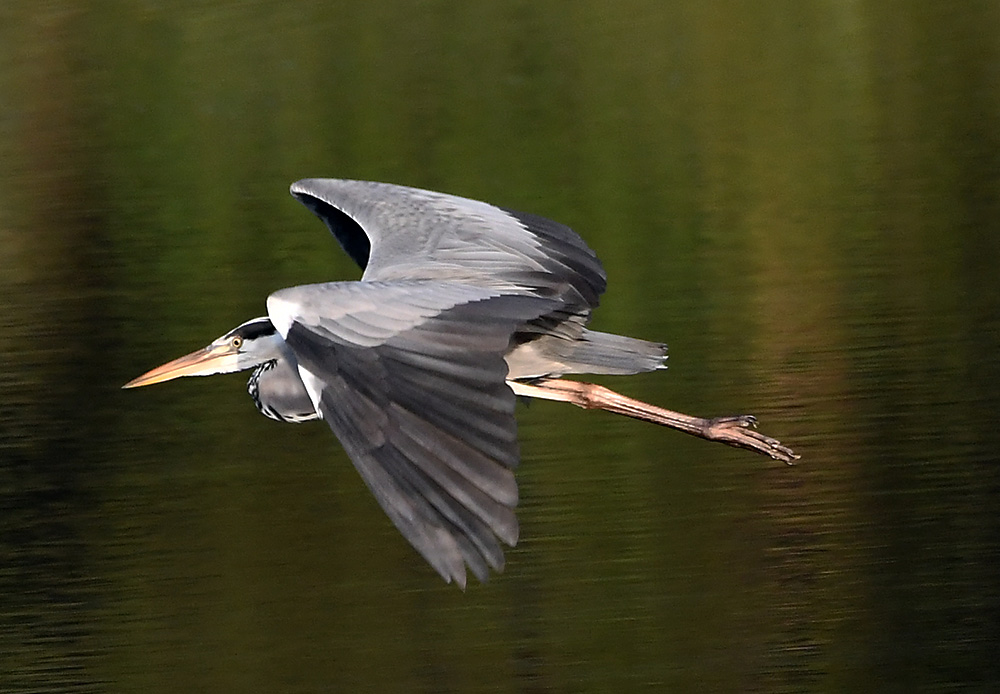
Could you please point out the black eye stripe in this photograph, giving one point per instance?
(251, 330)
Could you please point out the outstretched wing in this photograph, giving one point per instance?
(400, 233)
(410, 376)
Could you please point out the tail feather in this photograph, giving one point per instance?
(606, 353)
(586, 352)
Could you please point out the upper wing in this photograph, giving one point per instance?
(410, 376)
(400, 233)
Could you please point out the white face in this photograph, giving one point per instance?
(252, 343)
(244, 347)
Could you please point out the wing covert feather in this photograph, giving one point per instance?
(402, 233)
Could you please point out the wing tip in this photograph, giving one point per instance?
(304, 186)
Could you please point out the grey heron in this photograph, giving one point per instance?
(462, 306)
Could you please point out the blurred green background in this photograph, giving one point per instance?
(801, 198)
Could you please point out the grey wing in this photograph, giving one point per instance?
(400, 233)
(410, 377)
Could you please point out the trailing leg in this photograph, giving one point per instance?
(739, 431)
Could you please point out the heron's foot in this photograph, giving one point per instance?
(741, 431)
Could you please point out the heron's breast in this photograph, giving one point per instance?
(279, 393)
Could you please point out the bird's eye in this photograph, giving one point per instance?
(236, 342)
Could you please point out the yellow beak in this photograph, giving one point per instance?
(210, 360)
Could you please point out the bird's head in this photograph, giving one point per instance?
(249, 345)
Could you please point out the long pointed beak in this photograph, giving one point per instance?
(209, 360)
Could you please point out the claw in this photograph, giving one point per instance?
(740, 431)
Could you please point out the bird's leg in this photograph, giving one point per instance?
(739, 431)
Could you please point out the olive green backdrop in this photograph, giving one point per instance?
(801, 198)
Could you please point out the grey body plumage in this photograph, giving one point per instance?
(278, 392)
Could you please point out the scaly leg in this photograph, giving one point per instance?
(739, 431)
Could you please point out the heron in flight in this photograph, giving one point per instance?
(462, 306)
